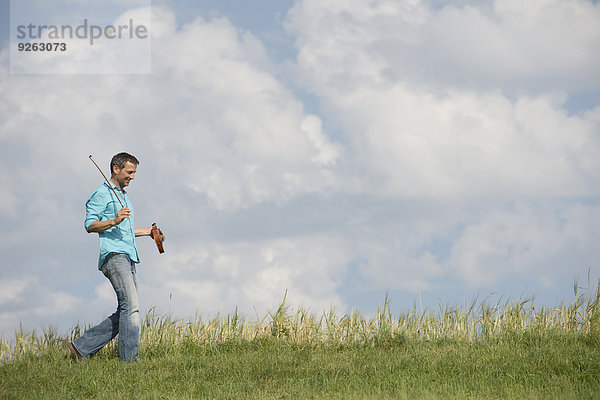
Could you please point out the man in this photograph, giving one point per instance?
(118, 255)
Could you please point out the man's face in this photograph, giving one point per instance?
(125, 175)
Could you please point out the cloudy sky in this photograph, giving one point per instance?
(337, 149)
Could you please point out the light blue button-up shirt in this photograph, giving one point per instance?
(102, 206)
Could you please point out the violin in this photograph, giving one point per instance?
(159, 237)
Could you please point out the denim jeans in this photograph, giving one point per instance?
(125, 322)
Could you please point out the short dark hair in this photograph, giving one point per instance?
(120, 159)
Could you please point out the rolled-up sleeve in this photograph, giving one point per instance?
(94, 208)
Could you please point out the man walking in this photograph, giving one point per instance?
(113, 219)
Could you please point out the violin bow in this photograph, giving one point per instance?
(106, 179)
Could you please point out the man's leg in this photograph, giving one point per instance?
(121, 272)
(97, 337)
(100, 335)
(122, 275)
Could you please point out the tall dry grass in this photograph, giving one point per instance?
(477, 321)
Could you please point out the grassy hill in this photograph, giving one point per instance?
(479, 352)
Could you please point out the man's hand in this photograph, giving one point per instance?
(122, 214)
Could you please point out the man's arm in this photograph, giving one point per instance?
(143, 232)
(101, 226)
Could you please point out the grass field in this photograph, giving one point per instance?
(510, 350)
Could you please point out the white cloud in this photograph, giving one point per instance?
(420, 94)
(518, 44)
(466, 144)
(27, 301)
(8, 200)
(234, 131)
(11, 289)
(249, 275)
(538, 243)
(247, 133)
(510, 44)
(327, 152)
(439, 178)
(419, 137)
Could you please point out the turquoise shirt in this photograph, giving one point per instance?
(102, 206)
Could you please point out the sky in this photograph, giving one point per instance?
(334, 150)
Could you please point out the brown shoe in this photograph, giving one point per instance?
(74, 351)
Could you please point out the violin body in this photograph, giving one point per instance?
(159, 238)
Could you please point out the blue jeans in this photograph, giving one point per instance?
(125, 322)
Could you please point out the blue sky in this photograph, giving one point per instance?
(339, 150)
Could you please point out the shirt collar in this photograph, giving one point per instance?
(116, 187)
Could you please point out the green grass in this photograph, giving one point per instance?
(476, 352)
(517, 366)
